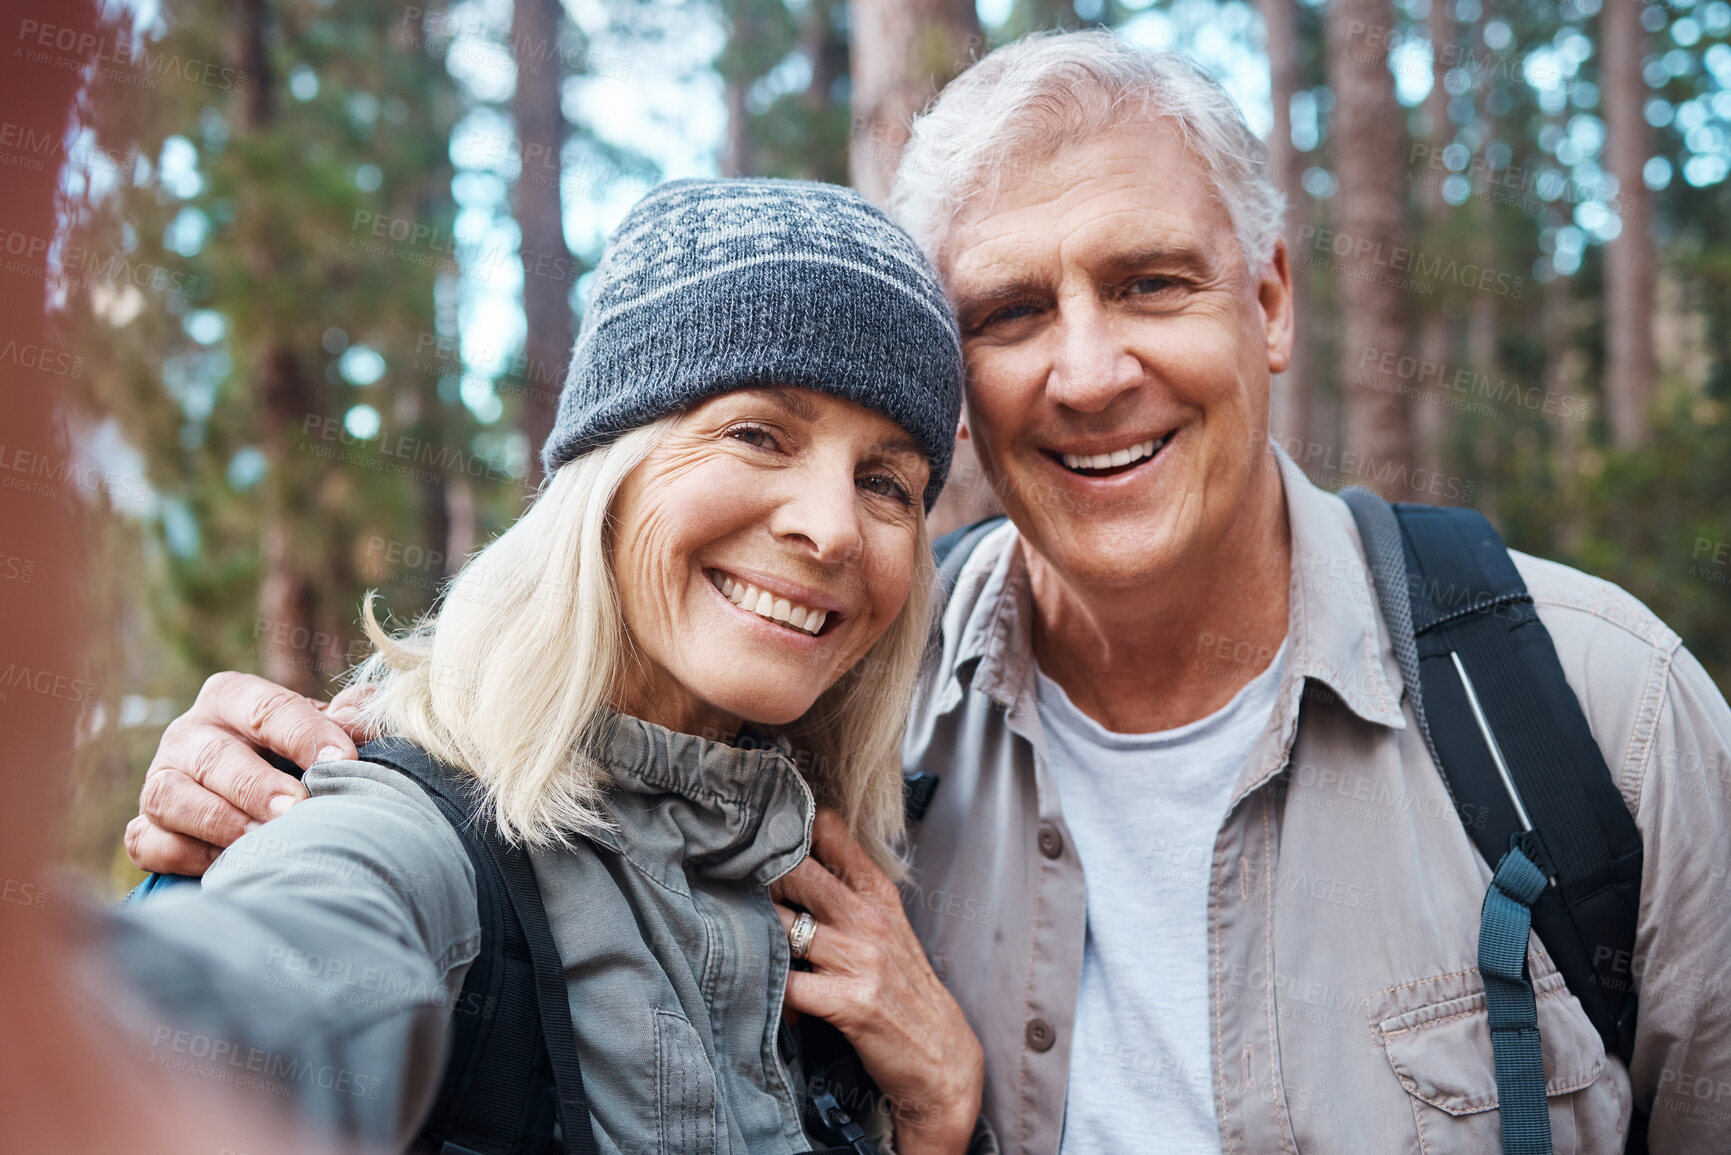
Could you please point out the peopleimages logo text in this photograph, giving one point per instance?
(1399, 258)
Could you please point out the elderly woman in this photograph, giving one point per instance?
(700, 638)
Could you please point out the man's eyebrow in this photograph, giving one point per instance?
(1181, 256)
(993, 293)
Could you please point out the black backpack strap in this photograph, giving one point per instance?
(1512, 744)
(1520, 739)
(951, 552)
(513, 1071)
(1507, 733)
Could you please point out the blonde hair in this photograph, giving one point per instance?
(509, 677)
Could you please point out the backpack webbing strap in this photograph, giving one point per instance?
(1383, 549)
(1523, 1115)
(559, 1035)
(513, 1051)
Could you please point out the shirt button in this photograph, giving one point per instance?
(1040, 1035)
(1051, 842)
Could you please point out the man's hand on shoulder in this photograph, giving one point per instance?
(208, 782)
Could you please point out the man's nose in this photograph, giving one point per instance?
(1091, 363)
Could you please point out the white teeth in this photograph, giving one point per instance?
(766, 605)
(1115, 458)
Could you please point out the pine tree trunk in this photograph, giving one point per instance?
(1366, 129)
(287, 599)
(1564, 376)
(1629, 259)
(549, 270)
(736, 158)
(903, 52)
(1430, 423)
(1289, 413)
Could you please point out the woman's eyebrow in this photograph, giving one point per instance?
(790, 400)
(899, 443)
(797, 403)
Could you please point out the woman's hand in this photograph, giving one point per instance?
(870, 979)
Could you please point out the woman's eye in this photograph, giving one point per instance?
(884, 485)
(752, 435)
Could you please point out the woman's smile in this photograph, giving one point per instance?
(769, 601)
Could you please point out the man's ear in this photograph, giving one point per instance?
(1274, 294)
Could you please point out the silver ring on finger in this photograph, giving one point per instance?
(800, 934)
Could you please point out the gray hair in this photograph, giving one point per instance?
(1018, 105)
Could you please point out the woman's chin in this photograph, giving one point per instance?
(761, 710)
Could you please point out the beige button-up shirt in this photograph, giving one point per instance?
(1346, 1009)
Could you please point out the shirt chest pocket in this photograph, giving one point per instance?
(687, 1103)
(1437, 1038)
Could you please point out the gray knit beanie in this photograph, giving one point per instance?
(714, 285)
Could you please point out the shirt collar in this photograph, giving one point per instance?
(1335, 634)
(736, 811)
(1334, 637)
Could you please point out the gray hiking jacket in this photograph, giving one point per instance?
(320, 959)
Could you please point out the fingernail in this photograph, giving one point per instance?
(280, 804)
(330, 754)
(252, 826)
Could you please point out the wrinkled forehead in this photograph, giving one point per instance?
(1138, 182)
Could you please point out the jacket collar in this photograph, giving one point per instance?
(725, 811)
(1334, 635)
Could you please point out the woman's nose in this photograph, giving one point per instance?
(820, 511)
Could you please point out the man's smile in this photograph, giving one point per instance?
(1108, 461)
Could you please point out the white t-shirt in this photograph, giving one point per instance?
(1143, 810)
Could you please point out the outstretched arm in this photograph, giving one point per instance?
(320, 962)
(209, 782)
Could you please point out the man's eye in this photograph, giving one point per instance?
(1008, 313)
(1145, 285)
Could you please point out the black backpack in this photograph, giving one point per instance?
(1507, 734)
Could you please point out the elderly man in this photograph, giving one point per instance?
(1191, 872)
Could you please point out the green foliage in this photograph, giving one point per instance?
(1658, 523)
(305, 238)
(251, 261)
(786, 69)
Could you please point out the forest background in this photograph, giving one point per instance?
(320, 265)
